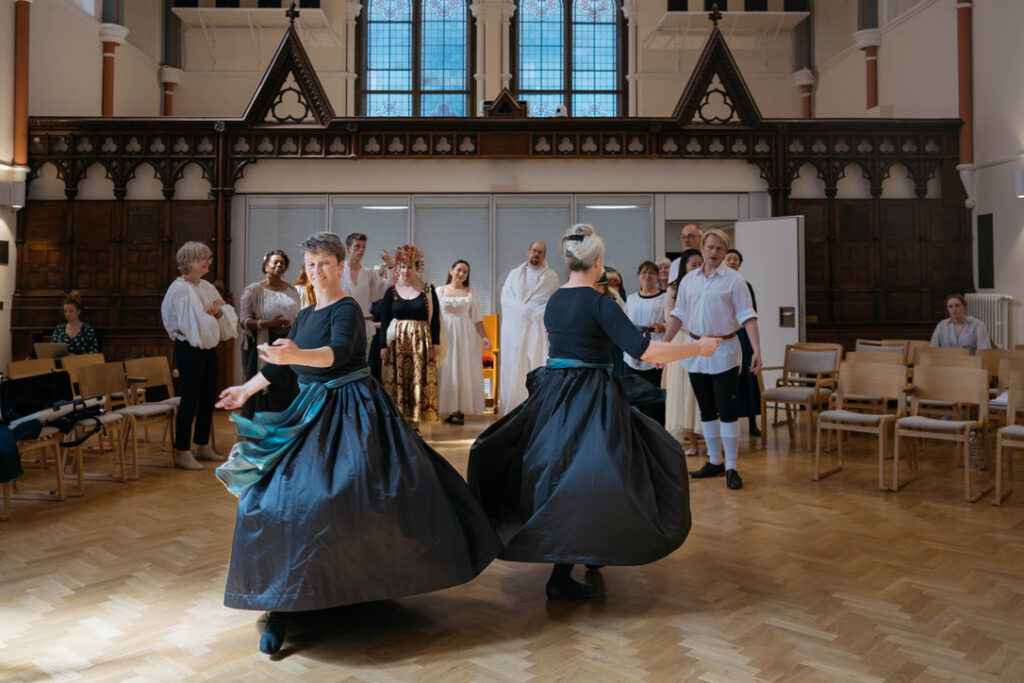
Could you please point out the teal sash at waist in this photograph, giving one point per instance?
(563, 363)
(273, 433)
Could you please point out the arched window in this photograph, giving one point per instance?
(415, 58)
(568, 52)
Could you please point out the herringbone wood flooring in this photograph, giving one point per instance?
(784, 580)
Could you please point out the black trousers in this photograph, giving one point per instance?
(716, 394)
(197, 376)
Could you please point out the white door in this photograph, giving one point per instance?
(773, 264)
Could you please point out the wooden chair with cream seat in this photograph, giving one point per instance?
(991, 358)
(921, 351)
(17, 369)
(949, 360)
(1010, 437)
(873, 357)
(105, 380)
(888, 346)
(490, 360)
(808, 376)
(875, 385)
(45, 452)
(151, 372)
(960, 386)
(912, 347)
(72, 363)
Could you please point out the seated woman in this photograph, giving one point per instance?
(79, 336)
(339, 501)
(959, 329)
(573, 474)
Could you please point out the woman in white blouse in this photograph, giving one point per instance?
(644, 309)
(460, 378)
(960, 329)
(267, 309)
(197, 319)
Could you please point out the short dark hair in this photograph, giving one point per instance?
(325, 243)
(647, 264)
(958, 297)
(276, 252)
(737, 252)
(449, 280)
(354, 237)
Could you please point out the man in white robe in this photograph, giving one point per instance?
(524, 341)
(363, 284)
(689, 238)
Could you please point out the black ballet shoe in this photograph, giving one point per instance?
(570, 590)
(594, 567)
(273, 633)
(709, 470)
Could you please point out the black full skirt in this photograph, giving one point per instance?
(275, 397)
(748, 395)
(358, 509)
(574, 475)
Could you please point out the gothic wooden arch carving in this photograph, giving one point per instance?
(717, 80)
(274, 93)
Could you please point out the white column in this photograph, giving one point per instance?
(493, 46)
(630, 9)
(507, 10)
(352, 10)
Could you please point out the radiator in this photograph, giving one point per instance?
(994, 311)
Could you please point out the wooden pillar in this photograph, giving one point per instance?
(868, 40)
(169, 78)
(805, 81)
(111, 35)
(965, 80)
(21, 41)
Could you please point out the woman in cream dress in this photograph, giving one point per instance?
(460, 381)
(682, 415)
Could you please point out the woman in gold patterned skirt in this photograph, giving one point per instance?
(410, 331)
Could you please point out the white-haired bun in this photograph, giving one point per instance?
(581, 246)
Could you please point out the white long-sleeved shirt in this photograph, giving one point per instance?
(185, 318)
(716, 306)
(643, 311)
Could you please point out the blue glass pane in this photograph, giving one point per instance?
(388, 104)
(443, 104)
(595, 104)
(543, 104)
(443, 47)
(390, 10)
(593, 10)
(541, 45)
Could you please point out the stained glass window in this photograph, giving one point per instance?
(568, 54)
(416, 58)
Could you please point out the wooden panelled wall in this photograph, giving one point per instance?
(880, 268)
(120, 256)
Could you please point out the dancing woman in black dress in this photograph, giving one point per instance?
(574, 475)
(340, 502)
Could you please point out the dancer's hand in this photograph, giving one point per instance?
(279, 353)
(231, 398)
(437, 351)
(487, 343)
(384, 356)
(755, 363)
(706, 346)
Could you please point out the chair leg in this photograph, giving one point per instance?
(969, 492)
(883, 444)
(764, 423)
(1001, 455)
(789, 423)
(827, 429)
(911, 462)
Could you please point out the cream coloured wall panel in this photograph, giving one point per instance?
(144, 21)
(136, 84)
(917, 64)
(68, 81)
(841, 88)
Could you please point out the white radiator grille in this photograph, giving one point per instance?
(994, 311)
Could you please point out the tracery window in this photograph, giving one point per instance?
(569, 53)
(415, 58)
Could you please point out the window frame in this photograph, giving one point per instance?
(567, 92)
(362, 35)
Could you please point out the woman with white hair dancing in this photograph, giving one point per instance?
(573, 474)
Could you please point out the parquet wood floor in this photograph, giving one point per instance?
(784, 580)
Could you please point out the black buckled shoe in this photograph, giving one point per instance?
(709, 470)
(732, 480)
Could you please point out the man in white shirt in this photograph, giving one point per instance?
(714, 300)
(524, 341)
(362, 284)
(689, 238)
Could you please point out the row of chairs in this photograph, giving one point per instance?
(127, 414)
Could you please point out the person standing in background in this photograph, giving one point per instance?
(748, 400)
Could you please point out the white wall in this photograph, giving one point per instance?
(7, 215)
(136, 83)
(68, 81)
(917, 67)
(998, 137)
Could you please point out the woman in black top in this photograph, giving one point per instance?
(410, 330)
(573, 474)
(339, 501)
